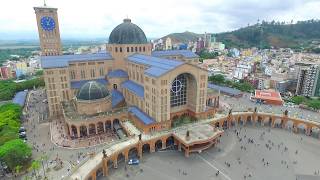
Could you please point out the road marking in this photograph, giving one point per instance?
(210, 164)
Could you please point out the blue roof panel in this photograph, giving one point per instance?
(118, 73)
(117, 97)
(79, 84)
(226, 90)
(64, 60)
(20, 98)
(184, 53)
(143, 117)
(134, 88)
(159, 66)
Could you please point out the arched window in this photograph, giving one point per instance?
(140, 49)
(120, 49)
(131, 49)
(178, 91)
(128, 49)
(116, 49)
(144, 49)
(136, 49)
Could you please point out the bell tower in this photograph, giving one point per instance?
(48, 28)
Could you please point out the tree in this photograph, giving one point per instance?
(218, 79)
(314, 103)
(35, 166)
(39, 73)
(298, 99)
(15, 153)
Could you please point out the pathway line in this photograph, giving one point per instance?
(210, 164)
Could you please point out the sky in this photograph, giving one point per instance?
(84, 19)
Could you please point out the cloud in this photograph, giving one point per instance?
(97, 18)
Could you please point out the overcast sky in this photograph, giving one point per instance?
(96, 18)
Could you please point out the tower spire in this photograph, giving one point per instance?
(44, 3)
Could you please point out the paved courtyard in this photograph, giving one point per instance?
(255, 153)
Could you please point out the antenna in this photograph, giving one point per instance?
(44, 3)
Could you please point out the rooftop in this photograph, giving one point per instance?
(64, 60)
(117, 97)
(225, 90)
(127, 33)
(197, 133)
(157, 66)
(118, 73)
(134, 87)
(143, 117)
(20, 98)
(267, 95)
(92, 90)
(79, 84)
(184, 53)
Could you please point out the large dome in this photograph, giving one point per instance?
(127, 33)
(92, 90)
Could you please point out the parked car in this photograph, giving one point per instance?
(22, 135)
(133, 161)
(22, 129)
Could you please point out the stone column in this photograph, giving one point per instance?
(88, 130)
(105, 167)
(94, 175)
(104, 127)
(295, 128)
(70, 131)
(273, 122)
(115, 163)
(96, 125)
(186, 152)
(284, 122)
(164, 145)
(78, 132)
(152, 147)
(140, 151)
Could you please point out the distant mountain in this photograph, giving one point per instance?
(273, 34)
(184, 37)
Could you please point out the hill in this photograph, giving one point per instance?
(184, 37)
(274, 34)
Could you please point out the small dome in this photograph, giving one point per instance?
(127, 33)
(92, 90)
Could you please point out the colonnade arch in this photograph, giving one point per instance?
(92, 128)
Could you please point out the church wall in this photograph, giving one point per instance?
(93, 107)
(120, 51)
(57, 84)
(89, 70)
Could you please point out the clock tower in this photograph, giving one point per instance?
(48, 28)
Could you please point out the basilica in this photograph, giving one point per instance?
(128, 81)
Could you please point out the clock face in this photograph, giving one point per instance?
(47, 23)
(176, 86)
